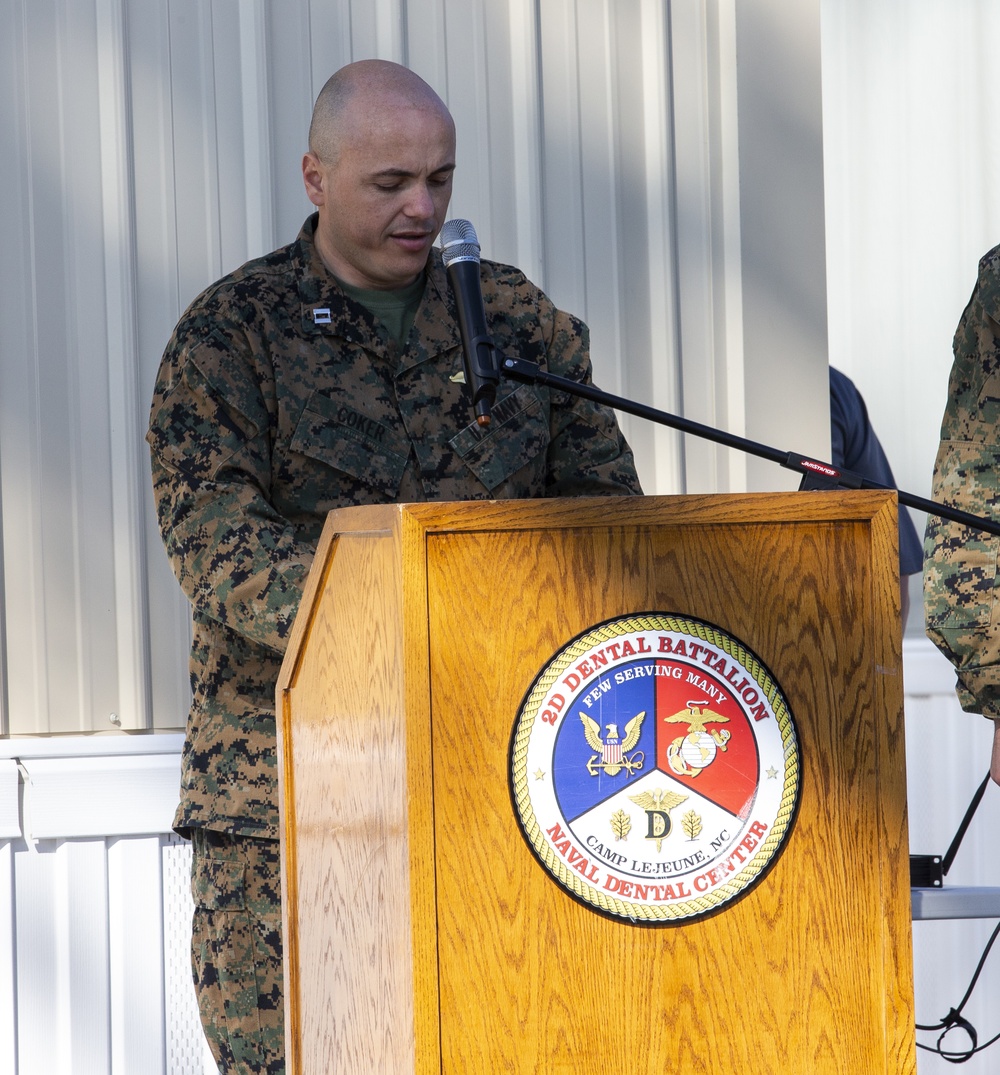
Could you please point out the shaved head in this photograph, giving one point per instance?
(355, 98)
(379, 171)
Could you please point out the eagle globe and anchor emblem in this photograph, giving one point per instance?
(654, 768)
(690, 753)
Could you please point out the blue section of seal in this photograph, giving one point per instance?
(580, 775)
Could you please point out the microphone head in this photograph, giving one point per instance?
(459, 242)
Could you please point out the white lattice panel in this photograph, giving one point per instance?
(187, 1051)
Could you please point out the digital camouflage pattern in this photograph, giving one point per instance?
(236, 950)
(959, 562)
(279, 398)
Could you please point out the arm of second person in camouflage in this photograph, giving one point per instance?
(237, 559)
(960, 578)
(588, 455)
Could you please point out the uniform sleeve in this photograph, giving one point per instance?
(209, 436)
(960, 579)
(588, 455)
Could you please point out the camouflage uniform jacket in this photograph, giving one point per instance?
(960, 580)
(279, 398)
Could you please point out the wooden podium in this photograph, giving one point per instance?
(421, 934)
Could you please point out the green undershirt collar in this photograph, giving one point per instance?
(396, 309)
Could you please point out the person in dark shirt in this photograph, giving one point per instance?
(854, 446)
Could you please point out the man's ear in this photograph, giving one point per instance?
(314, 177)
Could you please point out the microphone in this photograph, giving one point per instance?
(460, 251)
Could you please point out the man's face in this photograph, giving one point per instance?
(383, 199)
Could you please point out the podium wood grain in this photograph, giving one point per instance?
(421, 934)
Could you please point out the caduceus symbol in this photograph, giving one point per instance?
(612, 749)
(658, 803)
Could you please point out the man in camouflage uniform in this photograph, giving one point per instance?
(325, 374)
(960, 579)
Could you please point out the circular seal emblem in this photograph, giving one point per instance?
(654, 768)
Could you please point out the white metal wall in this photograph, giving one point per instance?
(95, 912)
(913, 201)
(609, 147)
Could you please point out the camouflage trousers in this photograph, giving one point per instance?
(236, 950)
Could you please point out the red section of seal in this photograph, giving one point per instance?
(704, 738)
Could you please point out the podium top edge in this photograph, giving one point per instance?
(408, 525)
(835, 505)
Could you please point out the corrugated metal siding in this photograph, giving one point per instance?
(95, 911)
(158, 145)
(95, 958)
(911, 194)
(155, 146)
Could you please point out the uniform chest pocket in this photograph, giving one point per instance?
(352, 442)
(517, 435)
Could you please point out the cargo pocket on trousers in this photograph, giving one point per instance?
(236, 965)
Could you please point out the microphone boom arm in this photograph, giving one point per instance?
(529, 373)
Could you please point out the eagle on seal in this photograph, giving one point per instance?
(612, 747)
